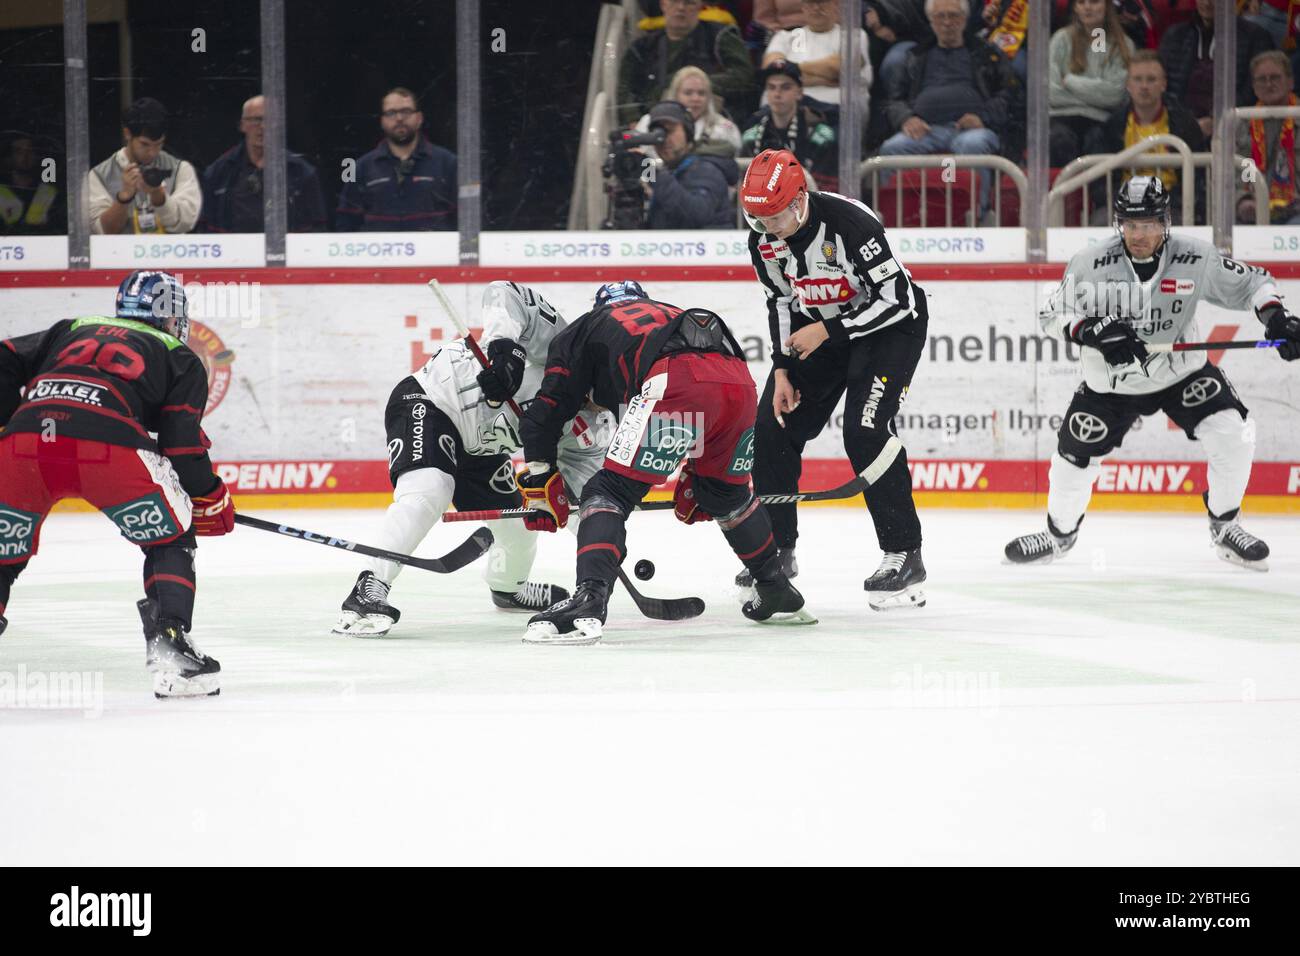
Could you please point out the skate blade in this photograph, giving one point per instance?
(587, 630)
(352, 624)
(1041, 559)
(791, 618)
(910, 597)
(168, 686)
(1227, 554)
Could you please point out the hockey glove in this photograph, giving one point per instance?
(214, 513)
(501, 381)
(543, 488)
(685, 506)
(1280, 324)
(1113, 338)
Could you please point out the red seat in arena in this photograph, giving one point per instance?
(908, 183)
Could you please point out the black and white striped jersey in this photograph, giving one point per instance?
(837, 269)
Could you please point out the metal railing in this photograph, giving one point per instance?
(598, 112)
(1102, 165)
(1223, 232)
(999, 165)
(1200, 161)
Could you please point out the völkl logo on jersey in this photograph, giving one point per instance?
(823, 291)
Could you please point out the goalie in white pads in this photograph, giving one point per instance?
(1144, 287)
(450, 436)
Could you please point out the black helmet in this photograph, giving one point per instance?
(1142, 197)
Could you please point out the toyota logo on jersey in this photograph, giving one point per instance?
(823, 291)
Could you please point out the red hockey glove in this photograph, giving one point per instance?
(214, 513)
(685, 506)
(543, 488)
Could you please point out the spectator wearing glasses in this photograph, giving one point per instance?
(141, 187)
(406, 183)
(1272, 144)
(232, 186)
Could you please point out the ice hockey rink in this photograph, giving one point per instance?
(1138, 703)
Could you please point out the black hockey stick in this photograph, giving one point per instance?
(1215, 346)
(467, 552)
(662, 609)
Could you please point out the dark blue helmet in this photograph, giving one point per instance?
(155, 298)
(619, 292)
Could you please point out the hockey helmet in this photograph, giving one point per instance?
(1142, 197)
(773, 180)
(623, 291)
(155, 298)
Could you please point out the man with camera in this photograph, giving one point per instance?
(142, 188)
(682, 190)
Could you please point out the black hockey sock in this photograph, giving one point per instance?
(892, 509)
(169, 581)
(8, 572)
(749, 532)
(784, 521)
(602, 543)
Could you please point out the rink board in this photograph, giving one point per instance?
(301, 362)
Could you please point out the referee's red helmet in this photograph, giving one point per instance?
(773, 180)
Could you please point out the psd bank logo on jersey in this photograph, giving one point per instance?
(16, 532)
(742, 459)
(1200, 391)
(216, 359)
(667, 441)
(145, 519)
(823, 291)
(1087, 428)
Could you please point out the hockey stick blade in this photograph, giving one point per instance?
(467, 552)
(662, 609)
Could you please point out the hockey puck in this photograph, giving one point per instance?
(644, 570)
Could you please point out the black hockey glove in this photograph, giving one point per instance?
(1280, 324)
(1113, 338)
(501, 381)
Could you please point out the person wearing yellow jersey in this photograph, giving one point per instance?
(1272, 144)
(1149, 111)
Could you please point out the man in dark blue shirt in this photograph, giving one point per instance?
(404, 183)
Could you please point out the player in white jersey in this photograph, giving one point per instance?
(450, 437)
(1144, 287)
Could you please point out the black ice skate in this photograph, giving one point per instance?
(897, 582)
(532, 596)
(366, 612)
(1042, 547)
(575, 620)
(789, 567)
(777, 602)
(1235, 544)
(179, 668)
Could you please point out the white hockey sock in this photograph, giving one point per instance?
(1230, 450)
(420, 498)
(1069, 489)
(511, 556)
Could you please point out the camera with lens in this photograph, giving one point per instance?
(623, 172)
(153, 176)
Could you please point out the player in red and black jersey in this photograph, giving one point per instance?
(681, 390)
(77, 405)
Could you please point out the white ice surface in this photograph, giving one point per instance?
(1135, 704)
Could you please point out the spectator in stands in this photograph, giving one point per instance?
(232, 186)
(1271, 16)
(1272, 144)
(770, 17)
(1007, 23)
(1086, 75)
(714, 134)
(788, 122)
(815, 46)
(953, 95)
(1187, 52)
(688, 191)
(29, 204)
(405, 183)
(141, 187)
(1150, 111)
(685, 40)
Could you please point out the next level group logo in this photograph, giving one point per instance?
(216, 359)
